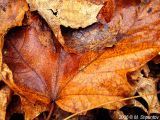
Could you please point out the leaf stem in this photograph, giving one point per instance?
(50, 112)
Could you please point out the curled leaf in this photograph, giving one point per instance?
(73, 13)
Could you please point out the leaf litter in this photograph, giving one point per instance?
(50, 65)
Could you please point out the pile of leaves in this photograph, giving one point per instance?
(64, 57)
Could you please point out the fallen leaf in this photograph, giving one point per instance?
(11, 15)
(106, 13)
(47, 73)
(138, 104)
(63, 12)
(5, 96)
(105, 33)
(146, 87)
(93, 38)
(32, 110)
(75, 14)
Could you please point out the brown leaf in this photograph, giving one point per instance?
(32, 110)
(95, 37)
(5, 96)
(73, 13)
(147, 86)
(11, 15)
(76, 14)
(47, 73)
(111, 28)
(107, 11)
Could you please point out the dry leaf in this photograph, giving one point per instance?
(136, 103)
(73, 13)
(11, 15)
(95, 37)
(147, 86)
(5, 96)
(44, 73)
(107, 11)
(47, 73)
(32, 110)
(101, 35)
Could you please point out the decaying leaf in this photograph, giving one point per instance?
(76, 14)
(73, 13)
(105, 33)
(59, 12)
(32, 110)
(95, 37)
(11, 15)
(47, 73)
(5, 96)
(80, 72)
(147, 86)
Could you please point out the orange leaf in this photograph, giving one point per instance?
(45, 72)
(11, 14)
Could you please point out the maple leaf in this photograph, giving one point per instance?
(48, 73)
(43, 72)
